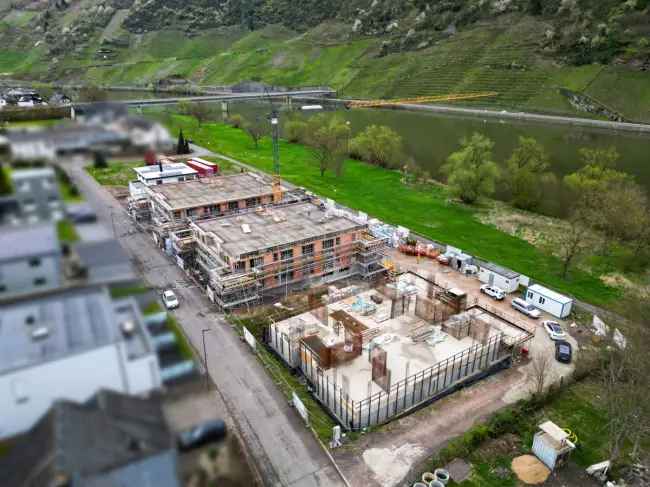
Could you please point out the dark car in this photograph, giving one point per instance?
(563, 351)
(202, 434)
(82, 214)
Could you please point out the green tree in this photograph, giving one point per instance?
(295, 131)
(328, 140)
(471, 172)
(598, 172)
(526, 171)
(378, 145)
(5, 181)
(100, 161)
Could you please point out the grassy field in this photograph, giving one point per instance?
(381, 194)
(116, 174)
(490, 447)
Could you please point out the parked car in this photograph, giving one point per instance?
(470, 270)
(82, 214)
(554, 330)
(563, 351)
(443, 259)
(525, 308)
(493, 291)
(201, 434)
(170, 300)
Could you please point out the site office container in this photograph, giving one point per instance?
(203, 167)
(550, 301)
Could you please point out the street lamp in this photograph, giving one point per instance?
(205, 356)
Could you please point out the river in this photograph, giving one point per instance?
(429, 138)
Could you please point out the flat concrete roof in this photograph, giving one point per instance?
(169, 170)
(212, 190)
(71, 322)
(275, 227)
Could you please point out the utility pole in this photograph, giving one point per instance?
(205, 357)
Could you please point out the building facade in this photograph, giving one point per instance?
(68, 345)
(35, 198)
(243, 257)
(30, 260)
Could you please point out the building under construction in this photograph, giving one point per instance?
(372, 355)
(257, 252)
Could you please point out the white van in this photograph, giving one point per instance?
(525, 308)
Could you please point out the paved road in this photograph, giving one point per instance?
(284, 451)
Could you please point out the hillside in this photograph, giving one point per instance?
(524, 49)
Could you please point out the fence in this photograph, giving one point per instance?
(419, 388)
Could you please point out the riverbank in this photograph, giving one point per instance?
(380, 193)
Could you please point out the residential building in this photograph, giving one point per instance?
(110, 440)
(101, 262)
(30, 259)
(173, 205)
(244, 256)
(69, 344)
(161, 173)
(35, 197)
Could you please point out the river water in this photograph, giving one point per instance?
(429, 138)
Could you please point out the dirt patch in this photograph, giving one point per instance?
(391, 465)
(570, 475)
(507, 444)
(530, 470)
(622, 282)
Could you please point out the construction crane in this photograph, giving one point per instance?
(419, 99)
(274, 119)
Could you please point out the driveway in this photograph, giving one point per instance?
(283, 450)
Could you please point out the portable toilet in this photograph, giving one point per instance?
(551, 445)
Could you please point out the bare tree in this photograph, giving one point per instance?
(573, 242)
(256, 130)
(541, 373)
(200, 111)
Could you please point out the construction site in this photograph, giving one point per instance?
(371, 354)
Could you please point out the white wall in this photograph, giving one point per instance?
(27, 394)
(508, 285)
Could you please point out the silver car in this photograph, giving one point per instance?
(525, 308)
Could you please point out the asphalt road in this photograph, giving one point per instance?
(282, 448)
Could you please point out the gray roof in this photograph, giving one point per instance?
(169, 170)
(502, 271)
(76, 321)
(106, 261)
(28, 241)
(276, 227)
(37, 172)
(88, 442)
(213, 190)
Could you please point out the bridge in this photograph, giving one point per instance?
(229, 97)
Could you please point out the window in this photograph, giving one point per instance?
(233, 205)
(541, 300)
(308, 249)
(286, 254)
(35, 262)
(191, 212)
(177, 215)
(212, 209)
(257, 262)
(530, 295)
(181, 179)
(39, 281)
(328, 244)
(338, 240)
(159, 181)
(252, 202)
(276, 256)
(3, 288)
(240, 266)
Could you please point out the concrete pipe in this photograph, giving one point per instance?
(436, 483)
(428, 477)
(420, 484)
(442, 476)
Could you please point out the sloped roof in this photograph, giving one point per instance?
(78, 441)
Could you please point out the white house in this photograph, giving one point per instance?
(174, 172)
(501, 277)
(547, 300)
(68, 345)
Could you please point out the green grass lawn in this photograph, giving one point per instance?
(381, 194)
(574, 408)
(116, 174)
(67, 232)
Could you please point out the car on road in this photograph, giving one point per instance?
(201, 434)
(170, 300)
(82, 214)
(563, 351)
(493, 291)
(525, 308)
(554, 330)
